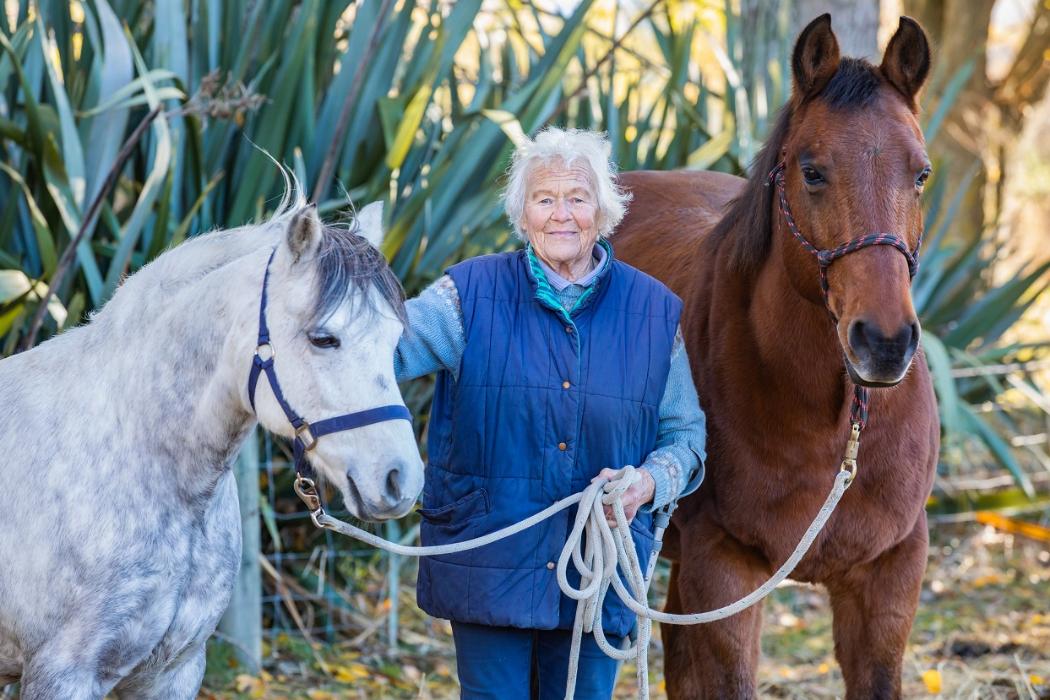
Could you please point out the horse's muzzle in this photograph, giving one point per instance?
(395, 495)
(880, 360)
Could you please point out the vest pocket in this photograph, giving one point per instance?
(460, 511)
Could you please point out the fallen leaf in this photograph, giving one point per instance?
(932, 680)
(350, 673)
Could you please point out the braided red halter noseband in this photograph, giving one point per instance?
(859, 409)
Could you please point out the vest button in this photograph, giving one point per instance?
(565, 385)
(562, 446)
(550, 565)
(568, 329)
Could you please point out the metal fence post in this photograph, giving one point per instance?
(393, 533)
(242, 621)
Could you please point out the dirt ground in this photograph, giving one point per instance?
(982, 631)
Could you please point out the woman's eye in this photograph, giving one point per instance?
(323, 340)
(811, 175)
(920, 181)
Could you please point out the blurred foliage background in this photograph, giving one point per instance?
(126, 126)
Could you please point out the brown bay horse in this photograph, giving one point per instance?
(776, 371)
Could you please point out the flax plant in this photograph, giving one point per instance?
(415, 102)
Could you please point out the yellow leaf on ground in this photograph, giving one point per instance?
(932, 679)
(824, 668)
(1036, 679)
(245, 683)
(315, 694)
(351, 673)
(989, 580)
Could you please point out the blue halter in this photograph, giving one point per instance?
(306, 434)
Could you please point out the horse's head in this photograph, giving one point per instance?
(854, 163)
(335, 312)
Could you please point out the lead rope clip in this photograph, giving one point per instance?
(849, 462)
(306, 490)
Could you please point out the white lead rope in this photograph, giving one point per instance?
(597, 550)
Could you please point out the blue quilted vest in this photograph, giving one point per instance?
(543, 402)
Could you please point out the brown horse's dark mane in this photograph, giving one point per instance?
(748, 223)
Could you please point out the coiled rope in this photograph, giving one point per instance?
(597, 551)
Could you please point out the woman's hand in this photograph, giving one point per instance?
(636, 496)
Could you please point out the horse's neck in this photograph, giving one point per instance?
(794, 342)
(183, 381)
(191, 261)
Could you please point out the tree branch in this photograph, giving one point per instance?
(66, 261)
(1026, 81)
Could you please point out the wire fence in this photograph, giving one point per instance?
(316, 583)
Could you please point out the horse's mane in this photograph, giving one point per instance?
(345, 263)
(747, 224)
(346, 258)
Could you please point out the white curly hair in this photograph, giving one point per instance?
(568, 147)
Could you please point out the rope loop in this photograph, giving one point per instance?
(598, 550)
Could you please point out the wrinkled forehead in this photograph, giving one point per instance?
(884, 129)
(557, 176)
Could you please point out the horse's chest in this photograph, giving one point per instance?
(769, 507)
(180, 589)
(211, 568)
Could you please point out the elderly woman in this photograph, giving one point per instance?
(556, 364)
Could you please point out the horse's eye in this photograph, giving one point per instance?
(923, 177)
(812, 175)
(323, 340)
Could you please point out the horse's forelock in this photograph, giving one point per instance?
(348, 264)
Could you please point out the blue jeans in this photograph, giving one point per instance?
(507, 663)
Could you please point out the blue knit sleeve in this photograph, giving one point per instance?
(677, 463)
(434, 338)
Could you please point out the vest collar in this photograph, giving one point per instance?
(544, 293)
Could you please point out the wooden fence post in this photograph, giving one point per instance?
(242, 621)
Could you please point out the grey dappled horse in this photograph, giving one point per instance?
(119, 526)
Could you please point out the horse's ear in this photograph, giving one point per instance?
(304, 233)
(816, 57)
(370, 223)
(906, 62)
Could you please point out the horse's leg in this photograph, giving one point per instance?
(718, 660)
(178, 680)
(43, 681)
(873, 608)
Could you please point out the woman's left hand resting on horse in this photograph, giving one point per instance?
(637, 494)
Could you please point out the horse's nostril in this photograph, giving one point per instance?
(913, 341)
(395, 485)
(859, 339)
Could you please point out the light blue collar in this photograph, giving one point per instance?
(559, 283)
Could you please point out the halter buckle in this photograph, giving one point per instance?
(270, 348)
(303, 434)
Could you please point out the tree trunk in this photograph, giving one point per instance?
(986, 118)
(856, 24)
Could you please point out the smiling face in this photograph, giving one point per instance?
(561, 217)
